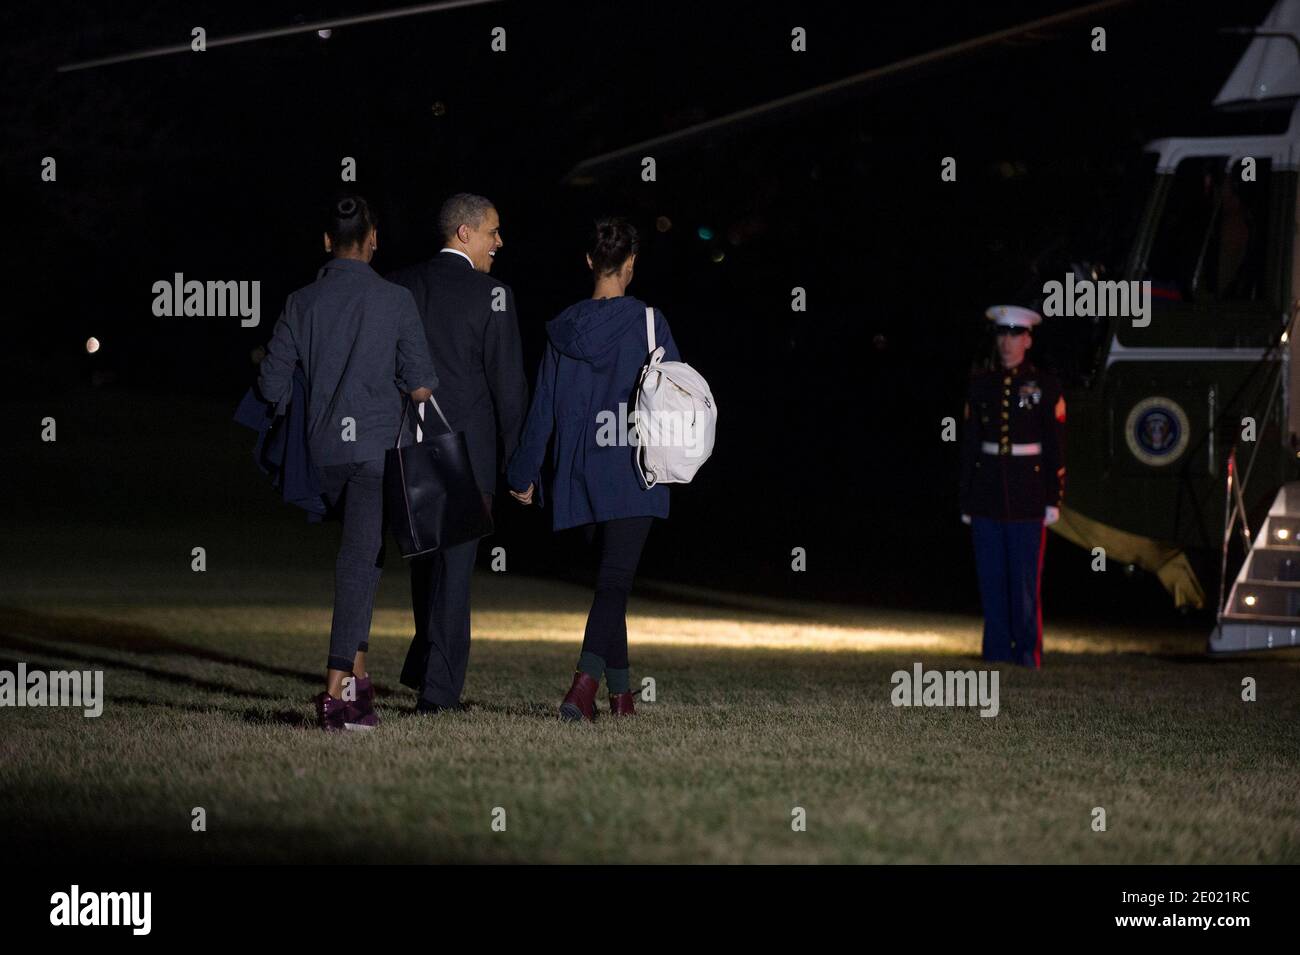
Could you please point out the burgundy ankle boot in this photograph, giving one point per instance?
(580, 702)
(360, 713)
(329, 712)
(620, 704)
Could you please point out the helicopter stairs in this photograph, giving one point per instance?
(1263, 610)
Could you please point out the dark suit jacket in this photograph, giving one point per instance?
(477, 356)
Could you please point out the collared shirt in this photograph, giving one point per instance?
(458, 252)
(360, 342)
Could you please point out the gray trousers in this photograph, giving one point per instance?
(359, 489)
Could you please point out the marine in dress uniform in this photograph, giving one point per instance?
(1012, 485)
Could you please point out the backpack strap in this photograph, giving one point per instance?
(647, 477)
(642, 436)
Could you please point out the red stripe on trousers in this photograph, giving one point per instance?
(1038, 592)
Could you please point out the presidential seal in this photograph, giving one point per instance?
(1157, 431)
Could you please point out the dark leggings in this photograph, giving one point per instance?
(621, 542)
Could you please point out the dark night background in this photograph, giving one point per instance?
(216, 164)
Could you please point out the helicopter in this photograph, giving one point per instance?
(1188, 424)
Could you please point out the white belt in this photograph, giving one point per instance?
(1017, 450)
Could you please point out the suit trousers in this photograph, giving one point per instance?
(1009, 559)
(438, 657)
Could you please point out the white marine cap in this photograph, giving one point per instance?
(1013, 315)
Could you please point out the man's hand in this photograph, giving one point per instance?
(1051, 515)
(525, 497)
(421, 395)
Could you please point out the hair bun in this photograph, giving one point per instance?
(613, 239)
(346, 208)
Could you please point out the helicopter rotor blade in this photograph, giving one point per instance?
(931, 57)
(276, 32)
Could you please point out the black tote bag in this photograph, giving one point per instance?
(430, 493)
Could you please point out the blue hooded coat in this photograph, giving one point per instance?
(594, 353)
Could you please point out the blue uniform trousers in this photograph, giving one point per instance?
(1009, 558)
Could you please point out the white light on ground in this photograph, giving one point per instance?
(505, 616)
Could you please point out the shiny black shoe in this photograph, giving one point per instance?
(425, 708)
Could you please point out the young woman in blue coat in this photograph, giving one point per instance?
(594, 353)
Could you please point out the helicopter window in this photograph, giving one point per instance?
(1211, 239)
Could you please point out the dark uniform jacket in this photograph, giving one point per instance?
(1005, 408)
(476, 350)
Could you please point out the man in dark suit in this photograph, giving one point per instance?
(473, 331)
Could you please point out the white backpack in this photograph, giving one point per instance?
(675, 417)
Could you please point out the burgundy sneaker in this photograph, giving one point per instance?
(620, 704)
(359, 714)
(580, 702)
(329, 712)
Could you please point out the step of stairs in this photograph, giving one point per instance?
(1263, 608)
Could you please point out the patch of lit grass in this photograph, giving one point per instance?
(759, 710)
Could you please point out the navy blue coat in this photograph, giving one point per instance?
(594, 353)
(281, 449)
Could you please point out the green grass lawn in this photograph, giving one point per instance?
(762, 706)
